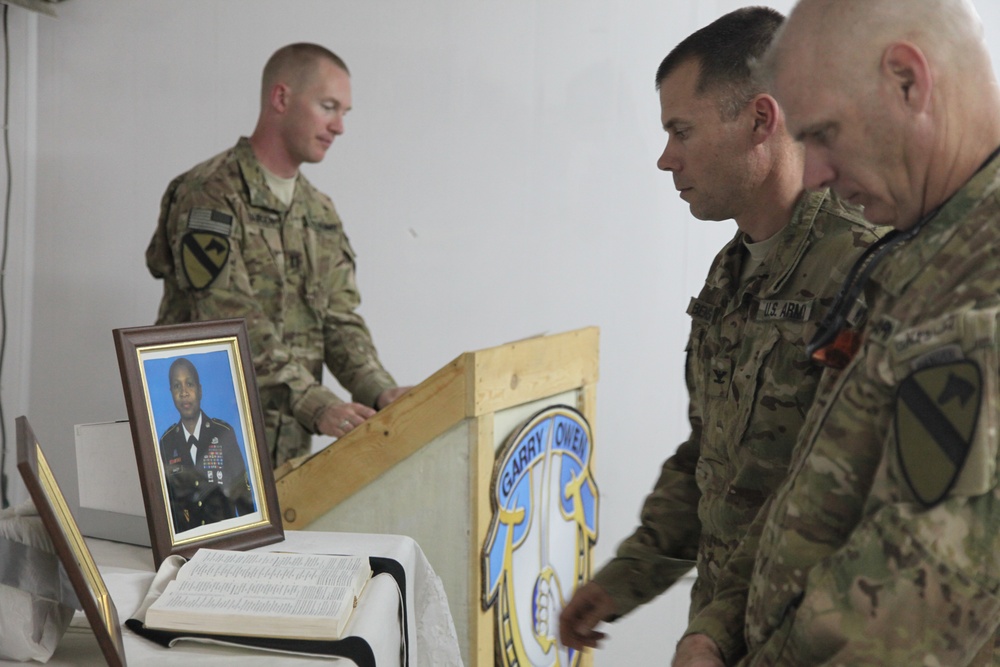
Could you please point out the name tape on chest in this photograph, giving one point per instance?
(781, 309)
(701, 310)
(265, 219)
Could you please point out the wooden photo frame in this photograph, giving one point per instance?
(217, 489)
(69, 545)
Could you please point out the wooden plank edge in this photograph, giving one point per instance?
(534, 368)
(481, 623)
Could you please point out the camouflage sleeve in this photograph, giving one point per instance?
(226, 290)
(665, 545)
(903, 588)
(896, 505)
(348, 348)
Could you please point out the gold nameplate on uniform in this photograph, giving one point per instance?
(778, 309)
(937, 408)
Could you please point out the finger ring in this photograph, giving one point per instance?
(344, 425)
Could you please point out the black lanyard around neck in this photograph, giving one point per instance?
(835, 342)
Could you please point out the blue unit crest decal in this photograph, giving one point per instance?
(538, 548)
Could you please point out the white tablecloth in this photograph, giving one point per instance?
(128, 570)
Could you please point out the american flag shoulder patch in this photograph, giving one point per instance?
(206, 219)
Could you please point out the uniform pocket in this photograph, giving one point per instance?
(262, 255)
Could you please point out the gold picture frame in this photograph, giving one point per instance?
(206, 478)
(69, 544)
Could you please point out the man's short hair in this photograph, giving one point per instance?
(294, 63)
(726, 51)
(181, 362)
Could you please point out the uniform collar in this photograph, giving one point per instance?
(197, 428)
(939, 227)
(778, 266)
(834, 342)
(260, 195)
(786, 255)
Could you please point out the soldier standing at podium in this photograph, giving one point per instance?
(244, 234)
(204, 471)
(750, 380)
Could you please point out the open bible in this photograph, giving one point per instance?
(296, 596)
(246, 599)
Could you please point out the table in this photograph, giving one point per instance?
(128, 570)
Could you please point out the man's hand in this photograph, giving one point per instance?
(340, 419)
(390, 395)
(590, 605)
(698, 651)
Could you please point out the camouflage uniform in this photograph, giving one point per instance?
(213, 488)
(883, 545)
(750, 384)
(226, 247)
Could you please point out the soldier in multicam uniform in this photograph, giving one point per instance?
(244, 234)
(749, 379)
(882, 546)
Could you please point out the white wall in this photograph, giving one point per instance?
(497, 180)
(19, 250)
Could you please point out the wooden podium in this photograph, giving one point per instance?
(422, 467)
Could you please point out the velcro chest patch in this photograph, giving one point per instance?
(701, 310)
(781, 309)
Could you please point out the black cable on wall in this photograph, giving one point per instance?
(4, 501)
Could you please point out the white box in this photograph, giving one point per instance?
(110, 499)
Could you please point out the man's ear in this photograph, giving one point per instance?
(909, 74)
(765, 114)
(279, 97)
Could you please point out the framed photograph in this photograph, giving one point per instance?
(198, 434)
(69, 545)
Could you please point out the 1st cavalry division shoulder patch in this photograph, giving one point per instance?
(205, 246)
(203, 256)
(937, 409)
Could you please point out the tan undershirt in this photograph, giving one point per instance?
(756, 252)
(283, 188)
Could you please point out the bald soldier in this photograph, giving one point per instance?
(883, 545)
(245, 234)
(749, 379)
